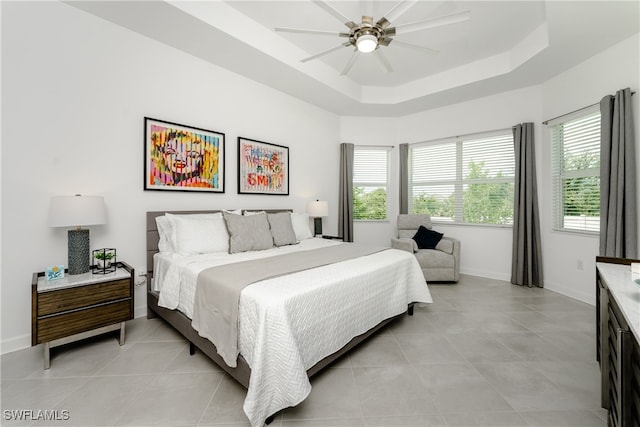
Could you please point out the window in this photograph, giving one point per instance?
(575, 172)
(370, 180)
(465, 180)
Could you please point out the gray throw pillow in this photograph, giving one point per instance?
(282, 229)
(248, 233)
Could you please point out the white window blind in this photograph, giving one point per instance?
(575, 172)
(464, 179)
(370, 181)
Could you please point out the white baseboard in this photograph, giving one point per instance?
(571, 292)
(140, 311)
(487, 274)
(563, 289)
(15, 344)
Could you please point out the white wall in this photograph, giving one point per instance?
(75, 91)
(616, 68)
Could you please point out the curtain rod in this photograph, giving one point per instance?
(575, 111)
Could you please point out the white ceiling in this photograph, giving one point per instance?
(503, 46)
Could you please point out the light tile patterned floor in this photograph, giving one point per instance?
(486, 353)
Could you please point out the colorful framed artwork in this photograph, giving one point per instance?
(263, 168)
(182, 158)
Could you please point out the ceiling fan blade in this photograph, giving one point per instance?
(324, 52)
(316, 32)
(396, 11)
(383, 61)
(414, 47)
(334, 12)
(352, 61)
(431, 23)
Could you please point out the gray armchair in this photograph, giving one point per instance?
(441, 264)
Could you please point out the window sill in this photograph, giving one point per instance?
(577, 233)
(462, 224)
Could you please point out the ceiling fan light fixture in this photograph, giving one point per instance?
(367, 43)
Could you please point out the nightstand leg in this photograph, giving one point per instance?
(121, 333)
(47, 360)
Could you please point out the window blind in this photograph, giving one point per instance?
(464, 179)
(576, 172)
(370, 181)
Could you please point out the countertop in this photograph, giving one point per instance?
(625, 289)
(69, 281)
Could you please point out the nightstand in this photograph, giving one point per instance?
(80, 306)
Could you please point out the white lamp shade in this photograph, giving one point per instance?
(367, 43)
(318, 209)
(76, 211)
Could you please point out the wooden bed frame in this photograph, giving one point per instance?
(183, 324)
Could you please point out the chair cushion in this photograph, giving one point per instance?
(427, 239)
(432, 258)
(445, 245)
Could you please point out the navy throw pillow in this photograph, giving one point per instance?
(427, 239)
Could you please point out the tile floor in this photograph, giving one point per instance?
(486, 353)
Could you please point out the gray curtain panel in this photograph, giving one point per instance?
(404, 178)
(526, 264)
(345, 203)
(618, 204)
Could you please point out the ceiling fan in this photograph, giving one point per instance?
(367, 37)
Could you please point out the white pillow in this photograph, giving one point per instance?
(300, 222)
(165, 230)
(199, 233)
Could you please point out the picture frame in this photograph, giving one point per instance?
(55, 272)
(183, 158)
(263, 168)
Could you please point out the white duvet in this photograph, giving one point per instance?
(289, 323)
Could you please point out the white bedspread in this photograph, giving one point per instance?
(289, 323)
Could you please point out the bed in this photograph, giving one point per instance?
(297, 320)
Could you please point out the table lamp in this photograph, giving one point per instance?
(77, 211)
(317, 210)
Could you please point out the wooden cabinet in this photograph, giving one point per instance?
(80, 306)
(618, 341)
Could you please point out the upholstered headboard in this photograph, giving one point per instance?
(152, 230)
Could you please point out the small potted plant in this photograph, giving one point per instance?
(104, 259)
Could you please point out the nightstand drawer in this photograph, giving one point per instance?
(83, 296)
(63, 325)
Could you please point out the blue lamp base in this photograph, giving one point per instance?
(78, 251)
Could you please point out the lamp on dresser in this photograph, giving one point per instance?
(317, 210)
(77, 211)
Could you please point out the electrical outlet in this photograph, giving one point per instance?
(580, 265)
(141, 277)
